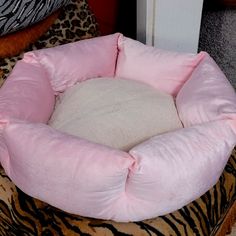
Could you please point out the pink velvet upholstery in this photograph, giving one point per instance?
(206, 96)
(78, 61)
(164, 70)
(27, 94)
(154, 178)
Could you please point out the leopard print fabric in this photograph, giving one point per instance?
(75, 22)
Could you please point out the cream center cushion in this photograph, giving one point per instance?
(116, 112)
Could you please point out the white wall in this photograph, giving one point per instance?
(145, 21)
(170, 24)
(141, 20)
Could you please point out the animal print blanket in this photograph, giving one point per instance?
(17, 14)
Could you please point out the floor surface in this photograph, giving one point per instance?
(218, 38)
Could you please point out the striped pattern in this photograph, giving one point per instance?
(17, 14)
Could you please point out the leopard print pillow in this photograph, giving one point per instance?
(75, 22)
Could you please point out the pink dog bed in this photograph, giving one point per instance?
(155, 177)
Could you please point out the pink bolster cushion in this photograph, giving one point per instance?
(65, 171)
(73, 62)
(206, 96)
(162, 69)
(96, 181)
(27, 94)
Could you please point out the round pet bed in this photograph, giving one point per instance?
(156, 177)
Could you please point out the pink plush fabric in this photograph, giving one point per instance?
(164, 70)
(154, 178)
(65, 171)
(176, 168)
(68, 64)
(96, 181)
(27, 94)
(206, 96)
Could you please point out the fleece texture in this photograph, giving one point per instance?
(119, 113)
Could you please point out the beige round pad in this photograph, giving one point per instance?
(116, 112)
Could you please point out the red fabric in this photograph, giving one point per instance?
(106, 14)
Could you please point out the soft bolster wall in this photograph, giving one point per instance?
(164, 70)
(75, 62)
(156, 177)
(206, 96)
(27, 94)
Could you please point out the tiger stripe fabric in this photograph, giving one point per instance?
(17, 14)
(22, 215)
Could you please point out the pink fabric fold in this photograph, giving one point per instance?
(27, 94)
(68, 64)
(164, 70)
(206, 96)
